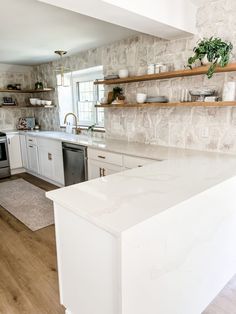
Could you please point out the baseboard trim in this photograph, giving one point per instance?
(43, 178)
(17, 171)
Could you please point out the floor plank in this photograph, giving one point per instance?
(28, 270)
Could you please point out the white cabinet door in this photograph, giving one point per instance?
(14, 149)
(51, 164)
(98, 169)
(45, 162)
(58, 169)
(23, 146)
(33, 162)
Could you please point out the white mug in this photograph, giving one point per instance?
(103, 100)
(123, 73)
(141, 98)
(229, 91)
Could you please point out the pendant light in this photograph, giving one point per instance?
(63, 73)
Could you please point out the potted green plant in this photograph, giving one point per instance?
(213, 51)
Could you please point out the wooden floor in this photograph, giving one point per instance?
(28, 271)
(28, 274)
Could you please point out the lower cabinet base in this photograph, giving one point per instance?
(44, 178)
(18, 170)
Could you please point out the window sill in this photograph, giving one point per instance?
(85, 128)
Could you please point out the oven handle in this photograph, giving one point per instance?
(3, 140)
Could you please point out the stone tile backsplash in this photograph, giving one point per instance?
(212, 129)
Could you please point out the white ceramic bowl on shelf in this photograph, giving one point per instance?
(48, 102)
(103, 100)
(33, 101)
(141, 98)
(123, 73)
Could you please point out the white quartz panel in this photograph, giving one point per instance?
(119, 202)
(177, 262)
(88, 265)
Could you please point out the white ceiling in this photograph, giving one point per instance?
(30, 31)
(169, 19)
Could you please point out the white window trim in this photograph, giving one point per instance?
(85, 75)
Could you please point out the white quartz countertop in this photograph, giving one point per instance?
(118, 202)
(117, 146)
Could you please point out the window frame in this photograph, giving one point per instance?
(86, 75)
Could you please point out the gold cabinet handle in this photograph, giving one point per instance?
(104, 172)
(49, 156)
(102, 157)
(100, 172)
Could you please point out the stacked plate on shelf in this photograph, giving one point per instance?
(111, 77)
(163, 99)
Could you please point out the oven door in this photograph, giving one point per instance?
(4, 160)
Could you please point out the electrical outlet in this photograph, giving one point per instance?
(205, 132)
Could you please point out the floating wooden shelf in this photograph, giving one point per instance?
(167, 75)
(172, 104)
(25, 107)
(26, 91)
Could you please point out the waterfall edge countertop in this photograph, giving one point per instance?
(118, 202)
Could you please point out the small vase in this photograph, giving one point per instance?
(205, 61)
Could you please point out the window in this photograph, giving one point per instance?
(88, 94)
(82, 96)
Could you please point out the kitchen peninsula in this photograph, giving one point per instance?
(156, 239)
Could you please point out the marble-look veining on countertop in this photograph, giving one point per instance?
(178, 127)
(120, 201)
(117, 146)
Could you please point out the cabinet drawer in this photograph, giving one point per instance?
(31, 140)
(98, 169)
(50, 145)
(111, 158)
(135, 162)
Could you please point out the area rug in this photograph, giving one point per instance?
(27, 203)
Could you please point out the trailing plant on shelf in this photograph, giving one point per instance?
(118, 93)
(214, 51)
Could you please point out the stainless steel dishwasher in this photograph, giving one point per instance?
(75, 163)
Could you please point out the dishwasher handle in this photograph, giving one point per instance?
(74, 150)
(74, 147)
